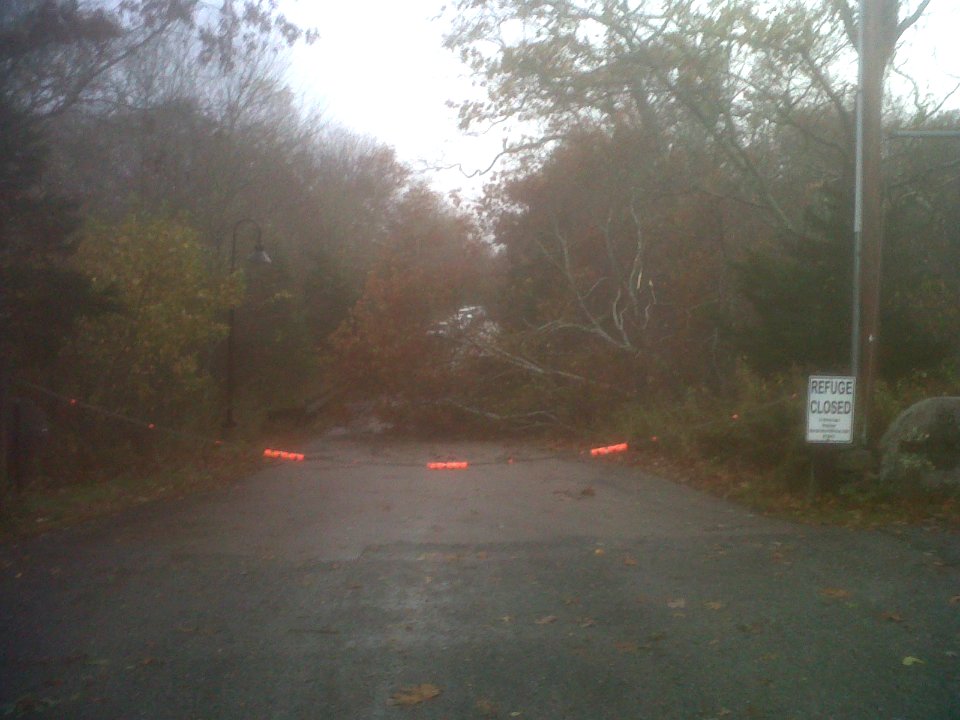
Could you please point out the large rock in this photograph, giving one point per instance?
(921, 448)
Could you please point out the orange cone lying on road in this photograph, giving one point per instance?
(283, 455)
(609, 449)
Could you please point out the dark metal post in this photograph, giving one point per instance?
(259, 255)
(5, 432)
(228, 421)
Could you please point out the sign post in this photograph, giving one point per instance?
(831, 400)
(830, 403)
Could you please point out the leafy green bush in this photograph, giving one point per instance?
(757, 424)
(148, 357)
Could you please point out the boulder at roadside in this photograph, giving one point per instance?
(921, 448)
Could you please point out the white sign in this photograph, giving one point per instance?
(830, 402)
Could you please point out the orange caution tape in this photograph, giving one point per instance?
(609, 449)
(448, 465)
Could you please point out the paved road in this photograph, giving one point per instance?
(547, 589)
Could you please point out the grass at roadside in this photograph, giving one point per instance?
(854, 505)
(749, 446)
(41, 508)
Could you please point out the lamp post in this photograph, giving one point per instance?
(258, 256)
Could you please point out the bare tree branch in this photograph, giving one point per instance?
(529, 419)
(911, 19)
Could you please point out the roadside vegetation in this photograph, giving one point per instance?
(663, 261)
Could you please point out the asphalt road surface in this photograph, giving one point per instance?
(361, 585)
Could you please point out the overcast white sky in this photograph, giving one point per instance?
(379, 69)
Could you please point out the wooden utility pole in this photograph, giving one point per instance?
(878, 23)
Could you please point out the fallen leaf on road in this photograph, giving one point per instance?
(486, 708)
(910, 661)
(891, 617)
(405, 697)
(546, 620)
(626, 647)
(599, 551)
(506, 618)
(836, 593)
(713, 605)
(723, 712)
(677, 603)
(629, 561)
(145, 662)
(29, 704)
(955, 600)
(588, 492)
(586, 622)
(753, 629)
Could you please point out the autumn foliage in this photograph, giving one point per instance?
(390, 348)
(670, 245)
(148, 355)
(385, 346)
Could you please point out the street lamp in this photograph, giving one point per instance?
(259, 257)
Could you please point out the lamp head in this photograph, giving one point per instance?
(259, 255)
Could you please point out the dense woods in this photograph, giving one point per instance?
(677, 234)
(668, 248)
(146, 153)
